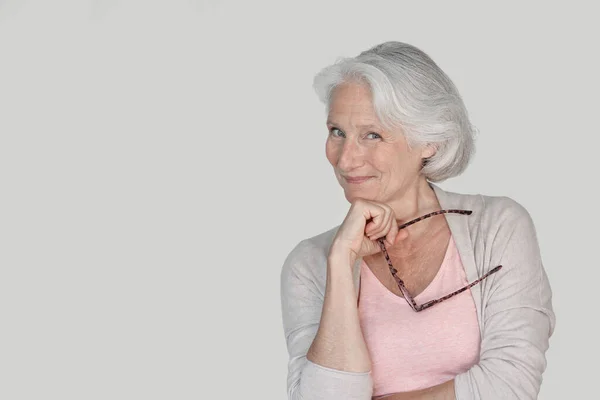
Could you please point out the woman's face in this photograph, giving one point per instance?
(358, 147)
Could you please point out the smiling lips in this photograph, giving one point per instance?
(357, 179)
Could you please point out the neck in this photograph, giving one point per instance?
(417, 200)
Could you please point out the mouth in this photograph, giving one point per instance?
(357, 180)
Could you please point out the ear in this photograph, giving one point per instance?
(428, 151)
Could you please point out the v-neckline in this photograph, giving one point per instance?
(459, 229)
(427, 289)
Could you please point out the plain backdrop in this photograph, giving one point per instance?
(159, 160)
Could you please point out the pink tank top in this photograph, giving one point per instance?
(415, 350)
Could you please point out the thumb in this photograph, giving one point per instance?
(402, 235)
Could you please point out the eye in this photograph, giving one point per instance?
(376, 134)
(333, 132)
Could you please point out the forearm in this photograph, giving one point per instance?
(339, 342)
(445, 391)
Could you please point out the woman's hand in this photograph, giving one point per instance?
(366, 222)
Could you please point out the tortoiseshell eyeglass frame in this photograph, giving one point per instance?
(409, 299)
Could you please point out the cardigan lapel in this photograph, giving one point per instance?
(459, 226)
(460, 229)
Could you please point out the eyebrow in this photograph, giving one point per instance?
(369, 126)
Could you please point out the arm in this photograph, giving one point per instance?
(518, 319)
(339, 343)
(328, 358)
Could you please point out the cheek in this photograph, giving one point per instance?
(385, 161)
(331, 152)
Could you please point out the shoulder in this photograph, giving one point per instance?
(503, 211)
(308, 258)
(501, 223)
(509, 226)
(489, 211)
(495, 219)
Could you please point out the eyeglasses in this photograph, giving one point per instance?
(409, 299)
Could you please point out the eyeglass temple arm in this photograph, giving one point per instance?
(470, 285)
(431, 214)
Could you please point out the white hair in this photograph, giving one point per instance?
(410, 92)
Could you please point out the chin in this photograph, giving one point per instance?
(353, 195)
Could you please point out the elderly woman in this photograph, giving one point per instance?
(420, 293)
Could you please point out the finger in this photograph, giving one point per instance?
(359, 216)
(377, 219)
(391, 235)
(382, 226)
(390, 229)
(402, 235)
(380, 232)
(383, 230)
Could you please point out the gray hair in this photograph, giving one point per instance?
(412, 93)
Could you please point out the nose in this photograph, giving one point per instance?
(350, 156)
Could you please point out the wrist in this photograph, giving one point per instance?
(341, 255)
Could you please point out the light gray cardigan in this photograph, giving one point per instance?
(514, 306)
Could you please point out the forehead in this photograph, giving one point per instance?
(351, 94)
(352, 103)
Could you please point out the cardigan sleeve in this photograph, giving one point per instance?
(301, 303)
(518, 319)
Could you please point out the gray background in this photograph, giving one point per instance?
(158, 161)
